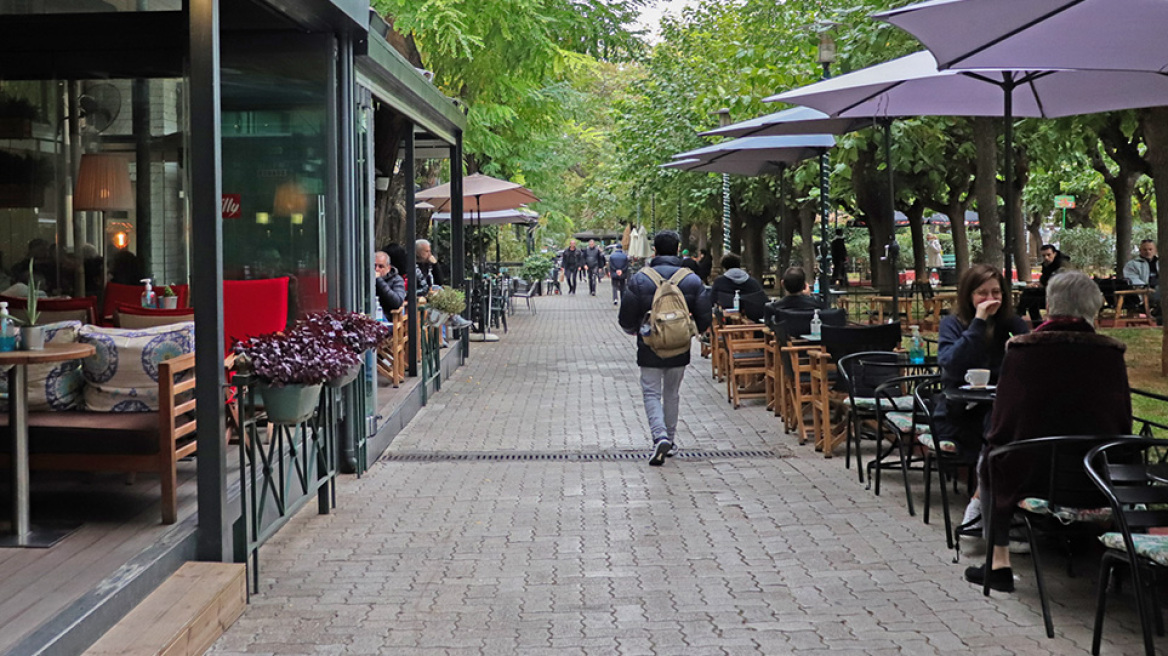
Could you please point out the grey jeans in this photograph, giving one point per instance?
(661, 390)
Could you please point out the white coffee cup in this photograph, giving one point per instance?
(977, 377)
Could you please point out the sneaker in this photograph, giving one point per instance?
(457, 322)
(659, 452)
(672, 450)
(1001, 580)
(971, 545)
(614, 301)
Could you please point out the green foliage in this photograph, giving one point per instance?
(447, 299)
(1091, 251)
(34, 291)
(535, 268)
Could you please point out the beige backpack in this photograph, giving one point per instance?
(670, 325)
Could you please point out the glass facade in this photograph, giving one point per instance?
(85, 6)
(277, 197)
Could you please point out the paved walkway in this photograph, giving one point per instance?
(552, 552)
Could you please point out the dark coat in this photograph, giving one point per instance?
(593, 258)
(1051, 268)
(573, 258)
(1062, 379)
(638, 300)
(798, 302)
(619, 261)
(751, 297)
(391, 291)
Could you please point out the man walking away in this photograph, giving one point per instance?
(618, 270)
(573, 259)
(593, 261)
(641, 315)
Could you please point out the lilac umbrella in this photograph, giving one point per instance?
(750, 168)
(913, 86)
(786, 149)
(1119, 35)
(798, 120)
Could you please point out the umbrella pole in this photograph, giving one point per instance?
(894, 246)
(1008, 87)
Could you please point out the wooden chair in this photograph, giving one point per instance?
(391, 361)
(796, 363)
(745, 362)
(828, 434)
(717, 347)
(1135, 313)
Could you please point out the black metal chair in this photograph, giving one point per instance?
(1130, 472)
(845, 340)
(860, 375)
(896, 415)
(1061, 499)
(527, 293)
(942, 455)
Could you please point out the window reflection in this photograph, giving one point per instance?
(85, 6)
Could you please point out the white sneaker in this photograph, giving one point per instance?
(971, 545)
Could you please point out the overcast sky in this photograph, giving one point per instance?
(651, 15)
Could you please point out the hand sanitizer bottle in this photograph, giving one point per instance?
(148, 298)
(8, 329)
(816, 324)
(736, 301)
(916, 348)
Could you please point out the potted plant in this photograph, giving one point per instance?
(32, 336)
(352, 330)
(291, 367)
(441, 303)
(535, 270)
(167, 298)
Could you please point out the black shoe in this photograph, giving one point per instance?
(672, 450)
(659, 452)
(1001, 580)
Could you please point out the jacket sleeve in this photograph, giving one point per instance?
(390, 293)
(961, 349)
(1133, 274)
(631, 314)
(702, 309)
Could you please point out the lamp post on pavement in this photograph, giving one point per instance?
(826, 58)
(724, 120)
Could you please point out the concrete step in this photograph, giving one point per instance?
(184, 616)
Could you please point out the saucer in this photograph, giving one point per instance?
(988, 388)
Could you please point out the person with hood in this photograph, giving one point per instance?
(1034, 297)
(572, 259)
(751, 297)
(593, 264)
(618, 271)
(661, 377)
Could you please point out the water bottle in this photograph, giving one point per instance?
(916, 348)
(816, 324)
(736, 301)
(8, 329)
(815, 289)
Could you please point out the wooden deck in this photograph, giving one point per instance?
(120, 521)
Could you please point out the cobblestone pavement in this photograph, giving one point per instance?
(720, 553)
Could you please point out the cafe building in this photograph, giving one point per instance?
(211, 147)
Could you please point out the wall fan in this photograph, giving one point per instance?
(100, 104)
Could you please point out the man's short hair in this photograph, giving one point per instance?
(1048, 247)
(794, 280)
(666, 242)
(421, 243)
(1073, 294)
(731, 261)
(1147, 241)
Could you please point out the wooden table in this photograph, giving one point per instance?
(23, 533)
(882, 301)
(1141, 295)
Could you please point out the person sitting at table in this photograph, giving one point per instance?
(1144, 272)
(797, 293)
(973, 337)
(1033, 298)
(751, 297)
(1062, 379)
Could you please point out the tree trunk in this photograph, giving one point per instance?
(1155, 124)
(985, 138)
(956, 216)
(915, 214)
(871, 190)
(1021, 176)
(807, 215)
(754, 240)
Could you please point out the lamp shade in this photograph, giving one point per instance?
(290, 199)
(103, 184)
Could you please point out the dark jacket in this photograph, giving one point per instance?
(572, 259)
(1051, 268)
(391, 291)
(798, 302)
(959, 349)
(619, 261)
(705, 266)
(1062, 379)
(638, 300)
(751, 297)
(593, 258)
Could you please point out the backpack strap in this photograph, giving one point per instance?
(679, 275)
(657, 278)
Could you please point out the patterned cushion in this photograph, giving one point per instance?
(1064, 514)
(1152, 547)
(123, 375)
(926, 440)
(54, 385)
(894, 403)
(903, 422)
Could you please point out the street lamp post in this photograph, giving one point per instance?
(723, 121)
(826, 58)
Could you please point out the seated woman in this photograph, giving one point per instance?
(973, 338)
(1062, 379)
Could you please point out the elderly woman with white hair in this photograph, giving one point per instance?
(1061, 379)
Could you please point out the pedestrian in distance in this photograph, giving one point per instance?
(618, 271)
(572, 260)
(593, 263)
(665, 306)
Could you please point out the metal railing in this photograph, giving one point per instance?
(1147, 426)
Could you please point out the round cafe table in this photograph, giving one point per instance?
(23, 534)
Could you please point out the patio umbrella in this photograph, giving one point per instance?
(913, 86)
(489, 194)
(733, 167)
(797, 120)
(786, 149)
(497, 217)
(1119, 35)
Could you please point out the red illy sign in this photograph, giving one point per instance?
(231, 206)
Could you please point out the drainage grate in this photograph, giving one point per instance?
(599, 456)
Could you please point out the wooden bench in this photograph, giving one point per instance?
(183, 616)
(123, 441)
